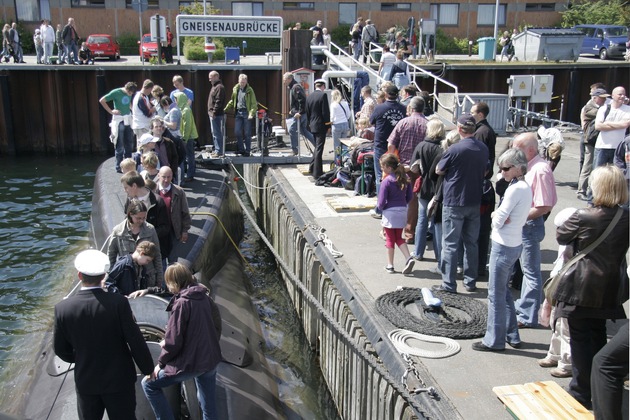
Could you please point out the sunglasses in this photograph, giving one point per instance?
(506, 169)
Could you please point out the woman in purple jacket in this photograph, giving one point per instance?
(190, 349)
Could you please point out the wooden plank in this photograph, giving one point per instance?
(541, 400)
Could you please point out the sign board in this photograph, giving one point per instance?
(229, 26)
(140, 5)
(155, 21)
(428, 26)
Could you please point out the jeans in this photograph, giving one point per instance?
(531, 290)
(61, 53)
(437, 242)
(421, 228)
(378, 172)
(124, 144)
(502, 325)
(39, 51)
(191, 165)
(48, 51)
(292, 126)
(72, 48)
(339, 130)
(243, 132)
(206, 384)
(217, 123)
(603, 157)
(459, 224)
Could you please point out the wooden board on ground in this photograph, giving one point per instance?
(541, 400)
(346, 203)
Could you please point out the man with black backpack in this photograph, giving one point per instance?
(587, 117)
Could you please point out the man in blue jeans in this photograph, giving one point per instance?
(384, 119)
(542, 182)
(244, 103)
(463, 166)
(121, 133)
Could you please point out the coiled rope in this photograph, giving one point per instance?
(462, 317)
(400, 338)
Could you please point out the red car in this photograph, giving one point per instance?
(103, 45)
(148, 48)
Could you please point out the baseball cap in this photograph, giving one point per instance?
(146, 138)
(466, 120)
(92, 263)
(600, 92)
(391, 90)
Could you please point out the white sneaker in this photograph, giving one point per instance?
(390, 269)
(435, 270)
(375, 215)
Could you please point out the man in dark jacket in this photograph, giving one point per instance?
(483, 130)
(70, 39)
(96, 331)
(216, 104)
(297, 111)
(129, 273)
(318, 113)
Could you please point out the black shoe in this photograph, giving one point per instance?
(245, 154)
(515, 345)
(479, 346)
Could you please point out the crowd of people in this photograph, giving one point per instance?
(137, 262)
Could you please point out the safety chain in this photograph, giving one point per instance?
(411, 368)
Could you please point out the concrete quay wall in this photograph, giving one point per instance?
(359, 363)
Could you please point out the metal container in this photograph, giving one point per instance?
(548, 44)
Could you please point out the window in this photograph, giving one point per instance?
(347, 13)
(393, 7)
(152, 4)
(445, 14)
(485, 15)
(297, 5)
(540, 7)
(27, 10)
(247, 9)
(88, 3)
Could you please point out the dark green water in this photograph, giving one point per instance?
(44, 222)
(44, 218)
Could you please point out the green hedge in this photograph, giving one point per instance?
(128, 44)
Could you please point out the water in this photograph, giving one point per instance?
(44, 223)
(44, 219)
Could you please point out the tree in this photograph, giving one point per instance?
(610, 12)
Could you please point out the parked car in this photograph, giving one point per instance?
(604, 41)
(103, 45)
(148, 48)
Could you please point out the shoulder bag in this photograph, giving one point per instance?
(551, 284)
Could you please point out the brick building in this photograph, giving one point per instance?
(470, 19)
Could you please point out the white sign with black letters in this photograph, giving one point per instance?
(229, 26)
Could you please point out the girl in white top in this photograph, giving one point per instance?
(339, 114)
(507, 227)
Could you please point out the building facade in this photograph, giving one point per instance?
(472, 19)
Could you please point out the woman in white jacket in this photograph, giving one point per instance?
(339, 114)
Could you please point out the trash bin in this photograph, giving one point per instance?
(548, 44)
(232, 54)
(486, 48)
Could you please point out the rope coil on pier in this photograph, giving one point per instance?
(462, 317)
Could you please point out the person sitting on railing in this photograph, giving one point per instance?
(403, 44)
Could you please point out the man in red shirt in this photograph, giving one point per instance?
(168, 51)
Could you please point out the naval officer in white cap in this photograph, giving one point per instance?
(96, 331)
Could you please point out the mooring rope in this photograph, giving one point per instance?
(400, 337)
(462, 317)
(331, 321)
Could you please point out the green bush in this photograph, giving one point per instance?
(128, 44)
(195, 52)
(341, 35)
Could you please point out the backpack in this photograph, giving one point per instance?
(591, 134)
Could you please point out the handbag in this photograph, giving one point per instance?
(552, 283)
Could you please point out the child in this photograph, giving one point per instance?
(559, 354)
(393, 197)
(127, 165)
(85, 55)
(129, 273)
